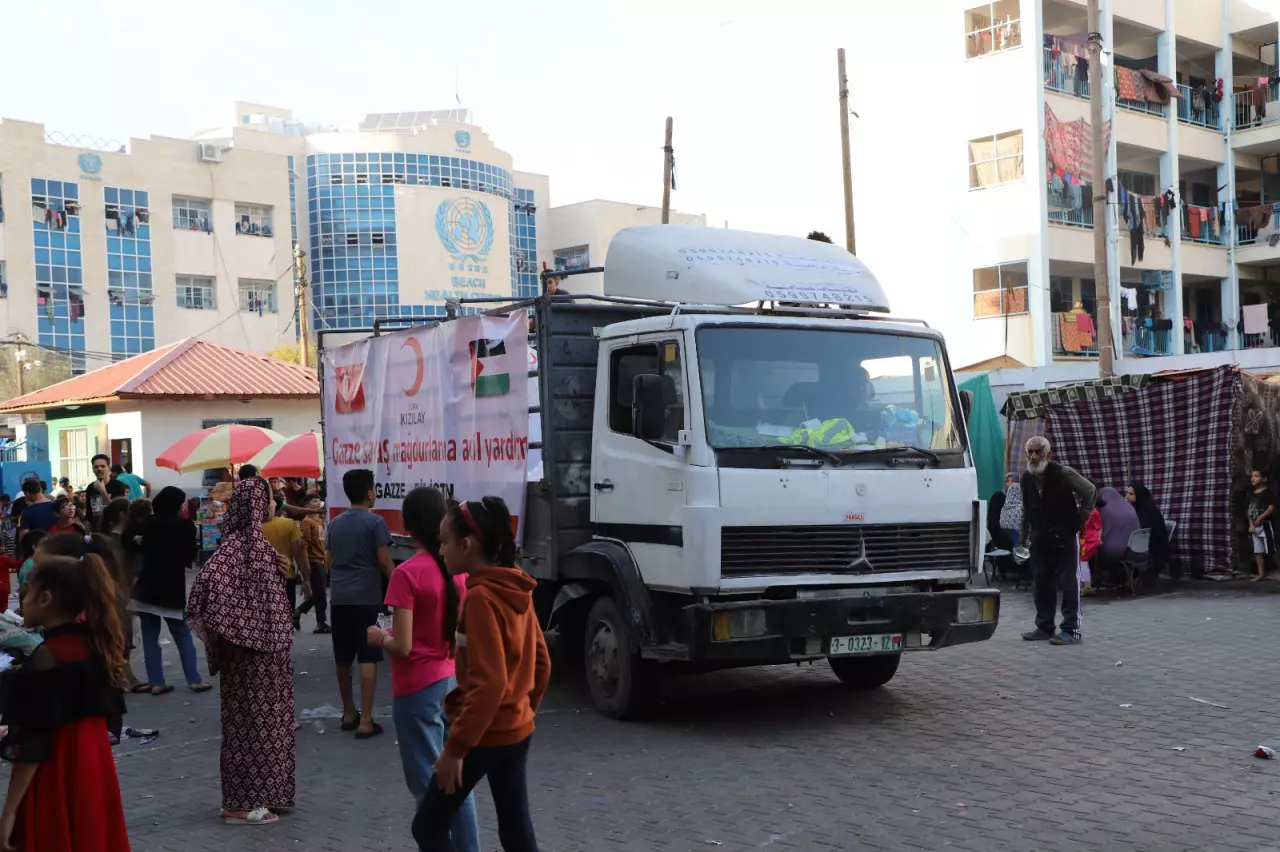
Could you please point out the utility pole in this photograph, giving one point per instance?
(301, 289)
(668, 166)
(1101, 282)
(844, 155)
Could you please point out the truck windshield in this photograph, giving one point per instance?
(844, 391)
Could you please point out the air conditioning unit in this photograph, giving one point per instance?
(210, 152)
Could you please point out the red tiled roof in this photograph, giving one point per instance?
(187, 369)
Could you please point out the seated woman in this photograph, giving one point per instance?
(997, 538)
(1150, 518)
(1119, 522)
(1011, 513)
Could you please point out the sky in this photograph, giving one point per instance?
(575, 89)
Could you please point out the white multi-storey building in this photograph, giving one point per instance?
(980, 224)
(108, 251)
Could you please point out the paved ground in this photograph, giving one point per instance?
(1002, 745)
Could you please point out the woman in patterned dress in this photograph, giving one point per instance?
(238, 607)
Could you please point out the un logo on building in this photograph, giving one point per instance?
(462, 138)
(465, 228)
(90, 164)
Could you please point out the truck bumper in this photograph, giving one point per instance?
(802, 629)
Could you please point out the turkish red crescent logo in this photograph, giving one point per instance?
(416, 345)
(349, 381)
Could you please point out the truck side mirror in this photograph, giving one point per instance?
(966, 404)
(649, 406)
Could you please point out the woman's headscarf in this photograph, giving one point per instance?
(238, 595)
(169, 501)
(1011, 514)
(1150, 517)
(994, 506)
(1119, 521)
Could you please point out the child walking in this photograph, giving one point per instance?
(1262, 506)
(64, 795)
(502, 670)
(425, 602)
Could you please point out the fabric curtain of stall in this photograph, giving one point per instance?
(985, 436)
(1175, 438)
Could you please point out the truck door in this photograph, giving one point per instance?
(638, 487)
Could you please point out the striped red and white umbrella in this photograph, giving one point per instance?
(217, 446)
(297, 456)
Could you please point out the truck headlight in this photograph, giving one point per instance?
(969, 610)
(739, 624)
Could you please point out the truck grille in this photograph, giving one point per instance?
(837, 549)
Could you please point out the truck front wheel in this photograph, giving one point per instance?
(865, 672)
(613, 666)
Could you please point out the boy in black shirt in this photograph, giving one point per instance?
(1261, 508)
(101, 491)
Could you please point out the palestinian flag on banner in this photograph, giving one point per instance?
(487, 374)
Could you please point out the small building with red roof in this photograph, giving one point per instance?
(135, 409)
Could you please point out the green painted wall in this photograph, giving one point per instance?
(87, 418)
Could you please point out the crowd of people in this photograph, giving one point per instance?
(469, 664)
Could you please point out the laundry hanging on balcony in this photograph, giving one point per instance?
(1255, 319)
(1069, 144)
(1068, 45)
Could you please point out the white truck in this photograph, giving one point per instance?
(745, 461)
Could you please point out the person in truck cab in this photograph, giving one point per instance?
(1056, 502)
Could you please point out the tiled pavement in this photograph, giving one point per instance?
(1001, 745)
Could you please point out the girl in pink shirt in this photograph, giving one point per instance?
(425, 601)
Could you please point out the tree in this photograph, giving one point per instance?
(292, 353)
(819, 237)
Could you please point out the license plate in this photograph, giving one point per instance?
(876, 643)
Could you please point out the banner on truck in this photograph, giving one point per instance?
(445, 406)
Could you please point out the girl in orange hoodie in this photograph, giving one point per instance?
(502, 671)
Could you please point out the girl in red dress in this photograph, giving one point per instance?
(63, 794)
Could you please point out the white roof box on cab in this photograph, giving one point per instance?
(713, 266)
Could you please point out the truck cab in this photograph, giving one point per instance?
(746, 461)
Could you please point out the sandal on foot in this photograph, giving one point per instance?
(350, 726)
(162, 690)
(369, 734)
(139, 688)
(322, 628)
(201, 687)
(257, 816)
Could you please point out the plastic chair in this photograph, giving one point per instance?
(1137, 558)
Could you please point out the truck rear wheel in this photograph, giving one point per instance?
(615, 672)
(865, 672)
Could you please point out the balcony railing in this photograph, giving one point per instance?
(1073, 339)
(1060, 75)
(1208, 336)
(1071, 208)
(1147, 107)
(1267, 340)
(1249, 231)
(1148, 337)
(1194, 108)
(1201, 224)
(1255, 107)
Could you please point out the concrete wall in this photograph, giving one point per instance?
(163, 423)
